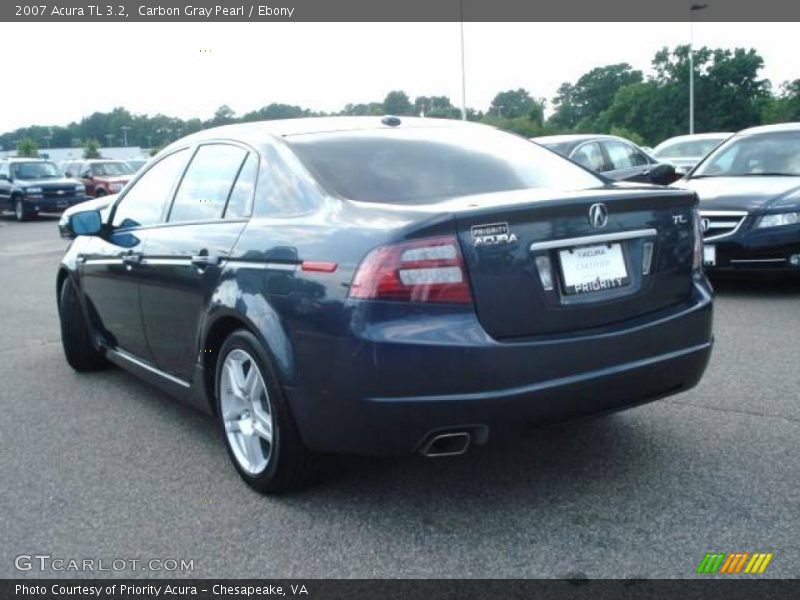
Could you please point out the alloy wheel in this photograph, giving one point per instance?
(246, 411)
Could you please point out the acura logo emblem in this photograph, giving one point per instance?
(598, 215)
(705, 224)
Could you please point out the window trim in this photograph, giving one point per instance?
(195, 149)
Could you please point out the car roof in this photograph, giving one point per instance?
(575, 137)
(697, 136)
(777, 128)
(255, 131)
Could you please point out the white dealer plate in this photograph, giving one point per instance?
(709, 255)
(593, 268)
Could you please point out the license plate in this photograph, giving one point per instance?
(593, 268)
(709, 256)
(62, 204)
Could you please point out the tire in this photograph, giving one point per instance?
(246, 401)
(78, 349)
(100, 193)
(20, 212)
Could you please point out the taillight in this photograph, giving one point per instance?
(697, 261)
(426, 270)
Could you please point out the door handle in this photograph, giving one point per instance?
(202, 261)
(131, 258)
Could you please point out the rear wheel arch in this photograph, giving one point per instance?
(215, 335)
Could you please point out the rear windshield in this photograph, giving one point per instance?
(427, 164)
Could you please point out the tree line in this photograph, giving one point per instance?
(618, 99)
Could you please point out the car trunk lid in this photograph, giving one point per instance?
(609, 255)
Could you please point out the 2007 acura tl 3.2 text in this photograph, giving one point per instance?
(384, 286)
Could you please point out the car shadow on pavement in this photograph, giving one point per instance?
(544, 464)
(522, 464)
(42, 217)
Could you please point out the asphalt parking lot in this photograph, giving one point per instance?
(103, 466)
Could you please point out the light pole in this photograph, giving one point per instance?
(692, 9)
(463, 69)
(125, 129)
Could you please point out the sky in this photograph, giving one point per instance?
(68, 71)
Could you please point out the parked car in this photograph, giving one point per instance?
(100, 176)
(384, 286)
(685, 151)
(612, 156)
(29, 186)
(136, 163)
(749, 189)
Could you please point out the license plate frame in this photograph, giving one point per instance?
(609, 272)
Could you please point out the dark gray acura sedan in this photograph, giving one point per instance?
(384, 286)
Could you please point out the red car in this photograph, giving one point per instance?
(100, 176)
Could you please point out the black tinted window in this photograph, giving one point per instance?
(242, 193)
(144, 202)
(207, 183)
(420, 164)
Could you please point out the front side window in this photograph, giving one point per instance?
(623, 156)
(762, 154)
(590, 156)
(144, 201)
(207, 183)
(425, 164)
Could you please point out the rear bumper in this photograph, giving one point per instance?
(387, 397)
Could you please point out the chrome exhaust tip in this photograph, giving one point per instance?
(446, 444)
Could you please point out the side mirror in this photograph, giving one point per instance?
(663, 174)
(85, 222)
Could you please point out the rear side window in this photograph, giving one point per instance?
(242, 193)
(432, 163)
(207, 183)
(144, 202)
